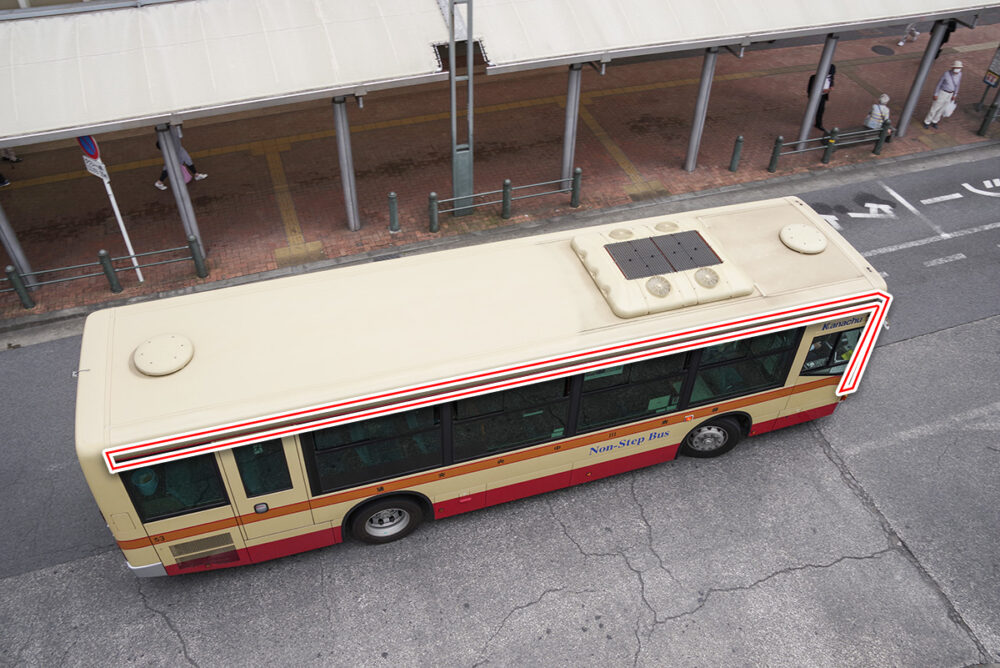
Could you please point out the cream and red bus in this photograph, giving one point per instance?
(243, 424)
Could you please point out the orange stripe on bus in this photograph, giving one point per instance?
(475, 467)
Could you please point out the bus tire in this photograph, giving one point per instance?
(386, 520)
(712, 438)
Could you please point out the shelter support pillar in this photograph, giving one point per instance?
(572, 119)
(817, 88)
(346, 158)
(701, 108)
(930, 53)
(462, 181)
(170, 146)
(14, 250)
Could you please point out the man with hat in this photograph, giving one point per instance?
(945, 92)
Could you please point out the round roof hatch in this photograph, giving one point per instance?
(163, 355)
(803, 238)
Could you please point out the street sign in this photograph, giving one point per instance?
(96, 167)
(89, 146)
(993, 71)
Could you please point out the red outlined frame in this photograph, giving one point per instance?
(875, 304)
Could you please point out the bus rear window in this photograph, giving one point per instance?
(175, 488)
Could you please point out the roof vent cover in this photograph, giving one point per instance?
(802, 238)
(163, 355)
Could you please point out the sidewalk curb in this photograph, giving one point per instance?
(816, 178)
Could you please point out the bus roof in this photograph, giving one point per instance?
(186, 364)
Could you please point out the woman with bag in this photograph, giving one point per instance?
(879, 114)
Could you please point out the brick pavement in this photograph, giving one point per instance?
(274, 197)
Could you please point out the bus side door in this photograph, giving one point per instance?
(270, 495)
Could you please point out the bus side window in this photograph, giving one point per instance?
(263, 468)
(829, 354)
(175, 488)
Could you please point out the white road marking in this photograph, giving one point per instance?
(883, 274)
(979, 192)
(930, 240)
(833, 222)
(943, 260)
(991, 183)
(899, 198)
(875, 211)
(942, 198)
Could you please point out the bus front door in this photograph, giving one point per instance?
(270, 495)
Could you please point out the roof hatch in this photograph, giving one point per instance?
(640, 270)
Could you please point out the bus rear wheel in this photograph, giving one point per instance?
(713, 438)
(386, 520)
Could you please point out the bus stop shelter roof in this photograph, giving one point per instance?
(525, 34)
(89, 72)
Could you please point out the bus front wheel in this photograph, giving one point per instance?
(386, 520)
(713, 438)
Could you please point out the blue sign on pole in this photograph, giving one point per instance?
(89, 146)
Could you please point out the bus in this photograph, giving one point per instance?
(247, 423)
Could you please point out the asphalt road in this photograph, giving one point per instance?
(866, 538)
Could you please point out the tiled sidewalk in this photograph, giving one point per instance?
(274, 197)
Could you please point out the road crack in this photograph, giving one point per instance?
(167, 621)
(896, 541)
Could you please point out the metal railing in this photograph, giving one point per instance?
(506, 198)
(22, 284)
(831, 142)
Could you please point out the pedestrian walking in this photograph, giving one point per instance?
(186, 164)
(945, 95)
(827, 87)
(910, 34)
(879, 114)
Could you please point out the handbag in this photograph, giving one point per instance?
(949, 109)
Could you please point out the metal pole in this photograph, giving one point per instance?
(936, 39)
(572, 119)
(109, 271)
(505, 207)
(121, 226)
(991, 114)
(701, 108)
(346, 163)
(574, 197)
(734, 164)
(432, 210)
(882, 136)
(831, 144)
(200, 269)
(14, 250)
(775, 154)
(393, 213)
(171, 157)
(979, 105)
(22, 293)
(817, 88)
(462, 180)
